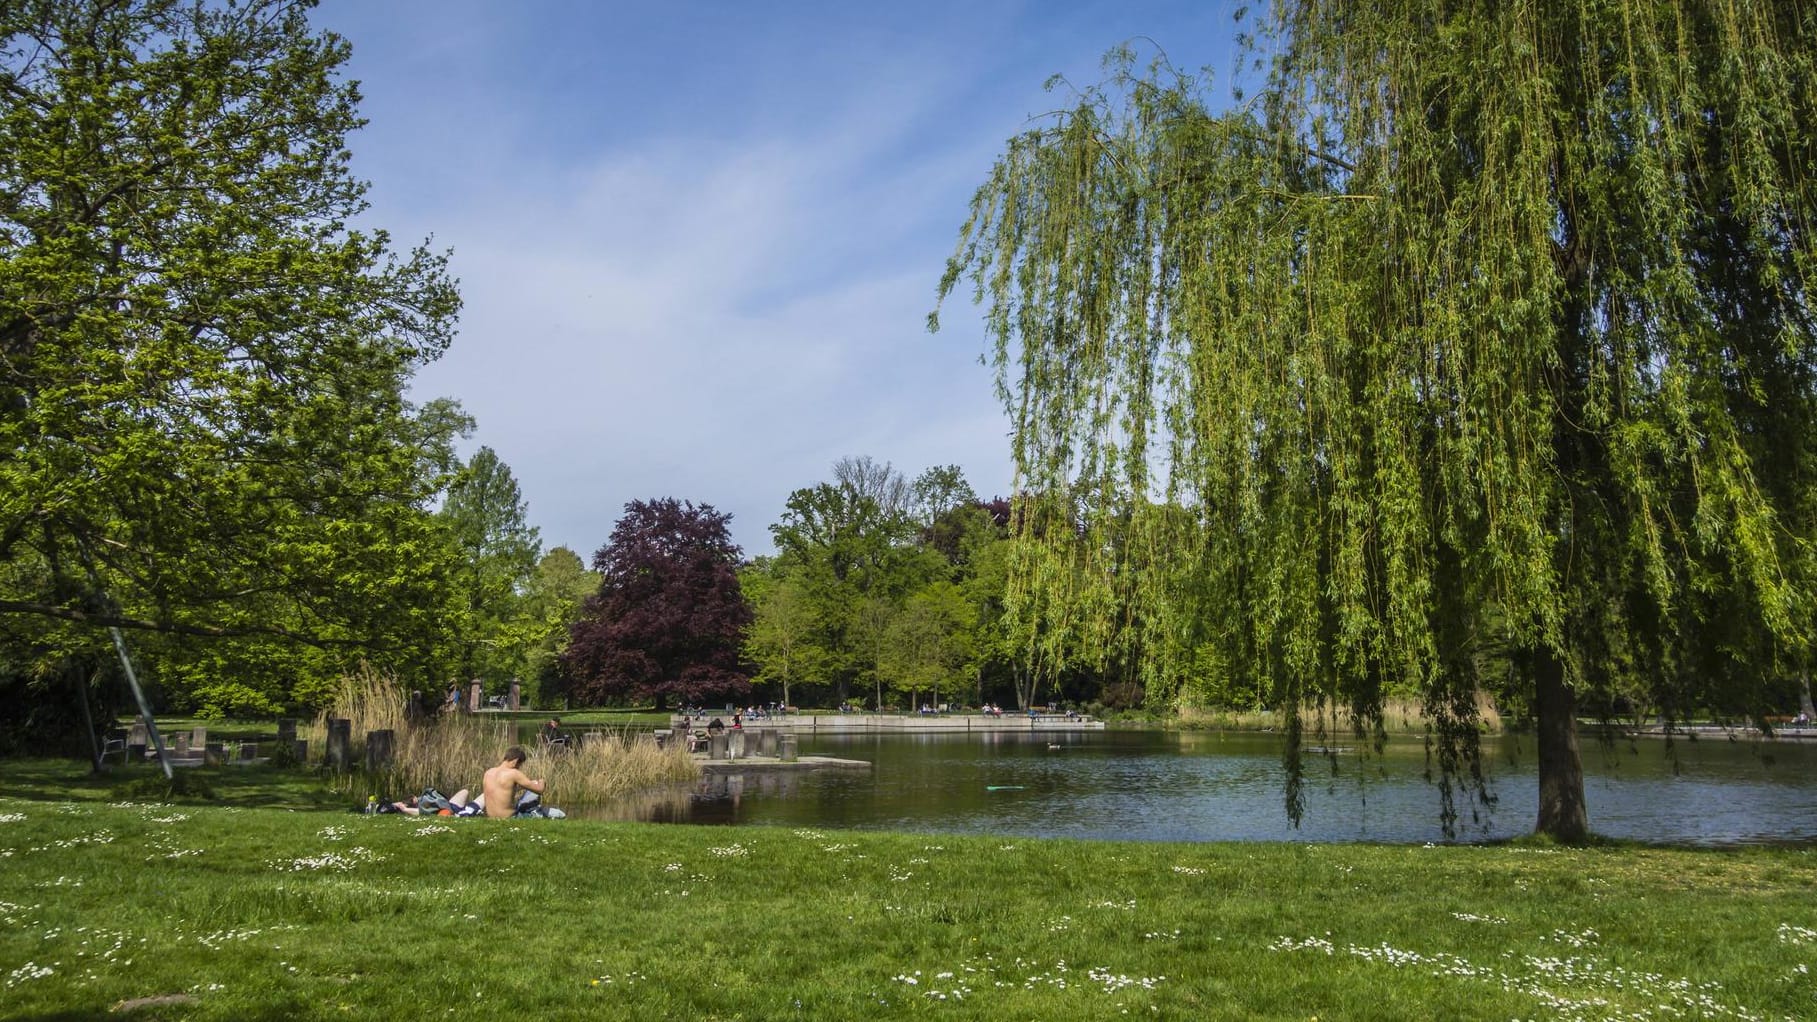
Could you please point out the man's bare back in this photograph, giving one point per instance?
(501, 783)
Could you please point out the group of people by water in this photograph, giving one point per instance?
(988, 710)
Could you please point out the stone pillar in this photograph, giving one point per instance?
(378, 749)
(182, 751)
(340, 743)
(517, 696)
(198, 739)
(716, 745)
(735, 744)
(302, 750)
(287, 731)
(786, 746)
(766, 742)
(476, 696)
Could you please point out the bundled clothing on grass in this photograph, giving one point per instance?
(433, 803)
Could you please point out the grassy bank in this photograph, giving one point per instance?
(258, 913)
(1399, 717)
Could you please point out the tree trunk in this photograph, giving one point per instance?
(88, 716)
(1026, 683)
(1561, 770)
(1804, 696)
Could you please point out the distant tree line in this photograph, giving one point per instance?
(882, 591)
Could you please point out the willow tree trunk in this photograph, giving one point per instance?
(1562, 815)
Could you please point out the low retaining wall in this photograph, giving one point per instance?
(836, 723)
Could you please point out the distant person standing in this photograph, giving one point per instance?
(501, 783)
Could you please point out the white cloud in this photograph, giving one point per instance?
(664, 323)
(698, 244)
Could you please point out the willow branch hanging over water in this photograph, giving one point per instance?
(1475, 351)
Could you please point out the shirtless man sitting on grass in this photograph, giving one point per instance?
(502, 781)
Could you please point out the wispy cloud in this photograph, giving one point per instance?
(697, 242)
(704, 320)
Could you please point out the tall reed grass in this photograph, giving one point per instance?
(450, 752)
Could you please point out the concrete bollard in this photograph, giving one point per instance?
(378, 749)
(182, 750)
(717, 743)
(340, 744)
(302, 749)
(786, 747)
(766, 742)
(287, 730)
(735, 745)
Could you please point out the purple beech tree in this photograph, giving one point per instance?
(668, 620)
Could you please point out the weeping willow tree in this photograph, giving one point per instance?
(1474, 350)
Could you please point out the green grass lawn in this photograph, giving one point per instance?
(265, 908)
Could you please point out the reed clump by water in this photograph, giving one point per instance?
(608, 766)
(450, 752)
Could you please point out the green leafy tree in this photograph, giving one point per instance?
(486, 515)
(850, 544)
(203, 433)
(873, 646)
(938, 492)
(554, 600)
(783, 640)
(1475, 349)
(929, 641)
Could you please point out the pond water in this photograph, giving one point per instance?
(1197, 786)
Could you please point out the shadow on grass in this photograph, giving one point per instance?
(159, 1009)
(250, 786)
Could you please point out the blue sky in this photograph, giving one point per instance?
(697, 242)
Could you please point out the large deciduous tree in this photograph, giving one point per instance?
(555, 598)
(783, 640)
(1477, 343)
(850, 545)
(485, 512)
(668, 620)
(203, 432)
